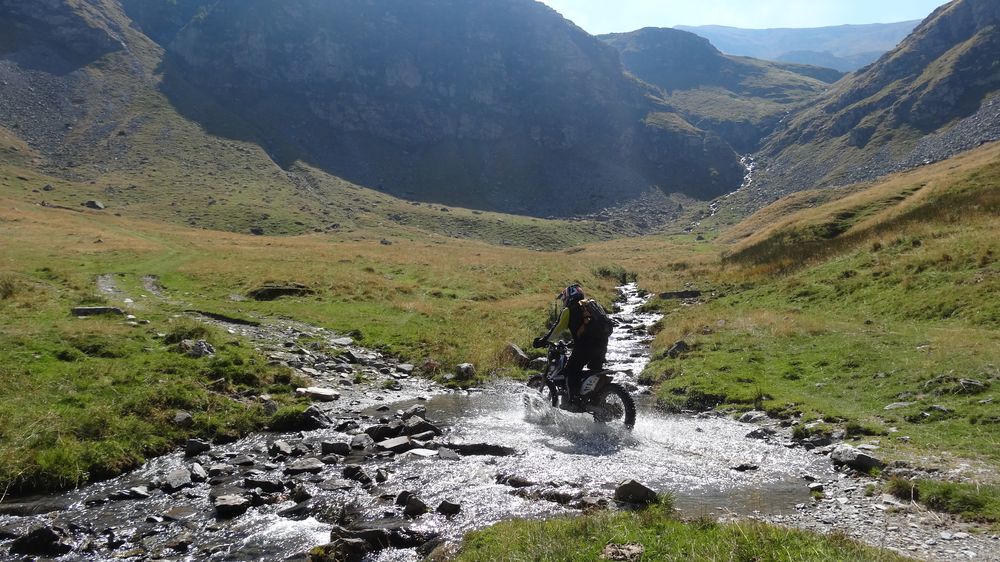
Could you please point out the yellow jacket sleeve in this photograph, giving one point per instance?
(560, 326)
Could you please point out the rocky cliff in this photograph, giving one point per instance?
(500, 105)
(740, 98)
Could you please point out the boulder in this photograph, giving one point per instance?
(320, 394)
(516, 355)
(473, 449)
(678, 349)
(195, 447)
(382, 432)
(229, 506)
(358, 474)
(196, 348)
(854, 458)
(465, 371)
(311, 465)
(415, 507)
(630, 491)
(448, 508)
(280, 447)
(362, 441)
(417, 424)
(176, 479)
(266, 485)
(96, 310)
(94, 204)
(753, 416)
(336, 448)
(198, 473)
(631, 552)
(342, 550)
(43, 541)
(396, 444)
(313, 418)
(416, 410)
(183, 419)
(761, 433)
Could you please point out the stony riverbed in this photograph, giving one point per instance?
(416, 466)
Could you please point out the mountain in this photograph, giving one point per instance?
(205, 110)
(930, 98)
(499, 105)
(843, 47)
(740, 98)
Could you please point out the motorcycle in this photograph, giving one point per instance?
(607, 401)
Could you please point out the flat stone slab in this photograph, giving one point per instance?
(319, 393)
(396, 444)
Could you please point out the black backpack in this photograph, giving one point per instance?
(595, 320)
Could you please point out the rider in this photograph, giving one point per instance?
(590, 343)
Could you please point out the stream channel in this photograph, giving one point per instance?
(544, 462)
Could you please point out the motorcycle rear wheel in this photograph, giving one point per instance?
(613, 404)
(545, 387)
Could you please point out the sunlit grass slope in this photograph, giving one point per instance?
(834, 308)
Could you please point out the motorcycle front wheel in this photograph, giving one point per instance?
(545, 387)
(613, 404)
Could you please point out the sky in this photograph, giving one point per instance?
(607, 16)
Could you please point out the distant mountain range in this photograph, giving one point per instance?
(843, 47)
(740, 98)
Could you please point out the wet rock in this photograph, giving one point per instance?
(415, 410)
(396, 444)
(381, 476)
(196, 348)
(319, 394)
(96, 311)
(280, 447)
(678, 349)
(310, 465)
(180, 513)
(416, 424)
(745, 467)
(229, 506)
(761, 433)
(448, 508)
(180, 543)
(198, 473)
(302, 493)
(336, 448)
(43, 541)
(446, 454)
(516, 355)
(415, 507)
(312, 418)
(538, 364)
(243, 460)
(183, 419)
(815, 487)
(631, 552)
(381, 432)
(465, 371)
(266, 485)
(473, 449)
(341, 550)
(176, 479)
(590, 503)
(514, 481)
(218, 469)
(630, 491)
(362, 441)
(358, 474)
(854, 458)
(405, 368)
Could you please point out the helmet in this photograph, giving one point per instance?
(571, 294)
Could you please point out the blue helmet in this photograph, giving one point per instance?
(572, 294)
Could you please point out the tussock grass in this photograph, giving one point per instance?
(662, 536)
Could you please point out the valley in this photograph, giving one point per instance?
(312, 236)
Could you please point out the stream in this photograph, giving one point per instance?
(518, 458)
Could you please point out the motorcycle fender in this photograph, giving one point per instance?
(589, 385)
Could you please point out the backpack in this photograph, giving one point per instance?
(595, 320)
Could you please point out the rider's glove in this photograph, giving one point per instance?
(540, 342)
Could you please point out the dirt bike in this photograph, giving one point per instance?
(607, 401)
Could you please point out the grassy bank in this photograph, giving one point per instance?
(661, 536)
(875, 312)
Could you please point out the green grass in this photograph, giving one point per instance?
(662, 536)
(971, 501)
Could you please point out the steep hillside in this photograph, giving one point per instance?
(742, 99)
(843, 47)
(213, 132)
(493, 105)
(928, 99)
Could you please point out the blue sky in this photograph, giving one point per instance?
(606, 16)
